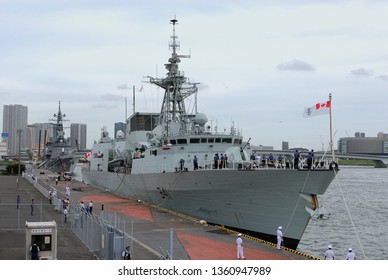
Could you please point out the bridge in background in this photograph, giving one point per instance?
(379, 160)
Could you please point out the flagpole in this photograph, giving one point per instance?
(331, 131)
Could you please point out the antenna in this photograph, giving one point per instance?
(174, 45)
(126, 108)
(133, 96)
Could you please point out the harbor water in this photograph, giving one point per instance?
(357, 207)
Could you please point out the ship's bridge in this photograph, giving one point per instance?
(206, 139)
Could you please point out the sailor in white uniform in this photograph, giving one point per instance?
(240, 250)
(279, 234)
(350, 255)
(329, 254)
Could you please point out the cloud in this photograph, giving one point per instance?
(383, 77)
(295, 65)
(361, 73)
(104, 106)
(112, 97)
(123, 86)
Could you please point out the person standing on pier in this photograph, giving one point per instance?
(50, 197)
(18, 200)
(126, 254)
(65, 214)
(329, 254)
(279, 234)
(34, 249)
(240, 249)
(32, 207)
(68, 190)
(350, 255)
(90, 207)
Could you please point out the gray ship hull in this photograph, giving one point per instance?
(252, 201)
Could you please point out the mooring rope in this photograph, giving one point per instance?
(350, 216)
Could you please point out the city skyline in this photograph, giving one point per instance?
(32, 135)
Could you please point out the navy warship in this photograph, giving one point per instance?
(175, 160)
(57, 154)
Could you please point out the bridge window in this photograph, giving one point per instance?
(203, 140)
(194, 140)
(227, 140)
(385, 147)
(218, 140)
(342, 146)
(182, 141)
(210, 140)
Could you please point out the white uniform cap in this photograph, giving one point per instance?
(239, 234)
(280, 227)
(350, 249)
(329, 247)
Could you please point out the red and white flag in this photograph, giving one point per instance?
(319, 109)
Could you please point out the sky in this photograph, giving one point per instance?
(258, 63)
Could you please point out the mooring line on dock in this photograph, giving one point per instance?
(350, 216)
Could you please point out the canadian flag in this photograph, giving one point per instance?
(319, 109)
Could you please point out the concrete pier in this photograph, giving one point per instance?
(155, 232)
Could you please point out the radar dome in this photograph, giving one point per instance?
(200, 119)
(119, 134)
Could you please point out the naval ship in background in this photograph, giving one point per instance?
(58, 153)
(172, 159)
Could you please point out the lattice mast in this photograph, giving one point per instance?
(176, 89)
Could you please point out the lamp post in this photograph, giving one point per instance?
(19, 131)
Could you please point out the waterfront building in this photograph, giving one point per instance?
(360, 144)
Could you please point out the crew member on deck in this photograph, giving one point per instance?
(137, 153)
(296, 159)
(195, 162)
(182, 164)
(309, 160)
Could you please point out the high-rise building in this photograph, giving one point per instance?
(39, 134)
(15, 119)
(78, 135)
